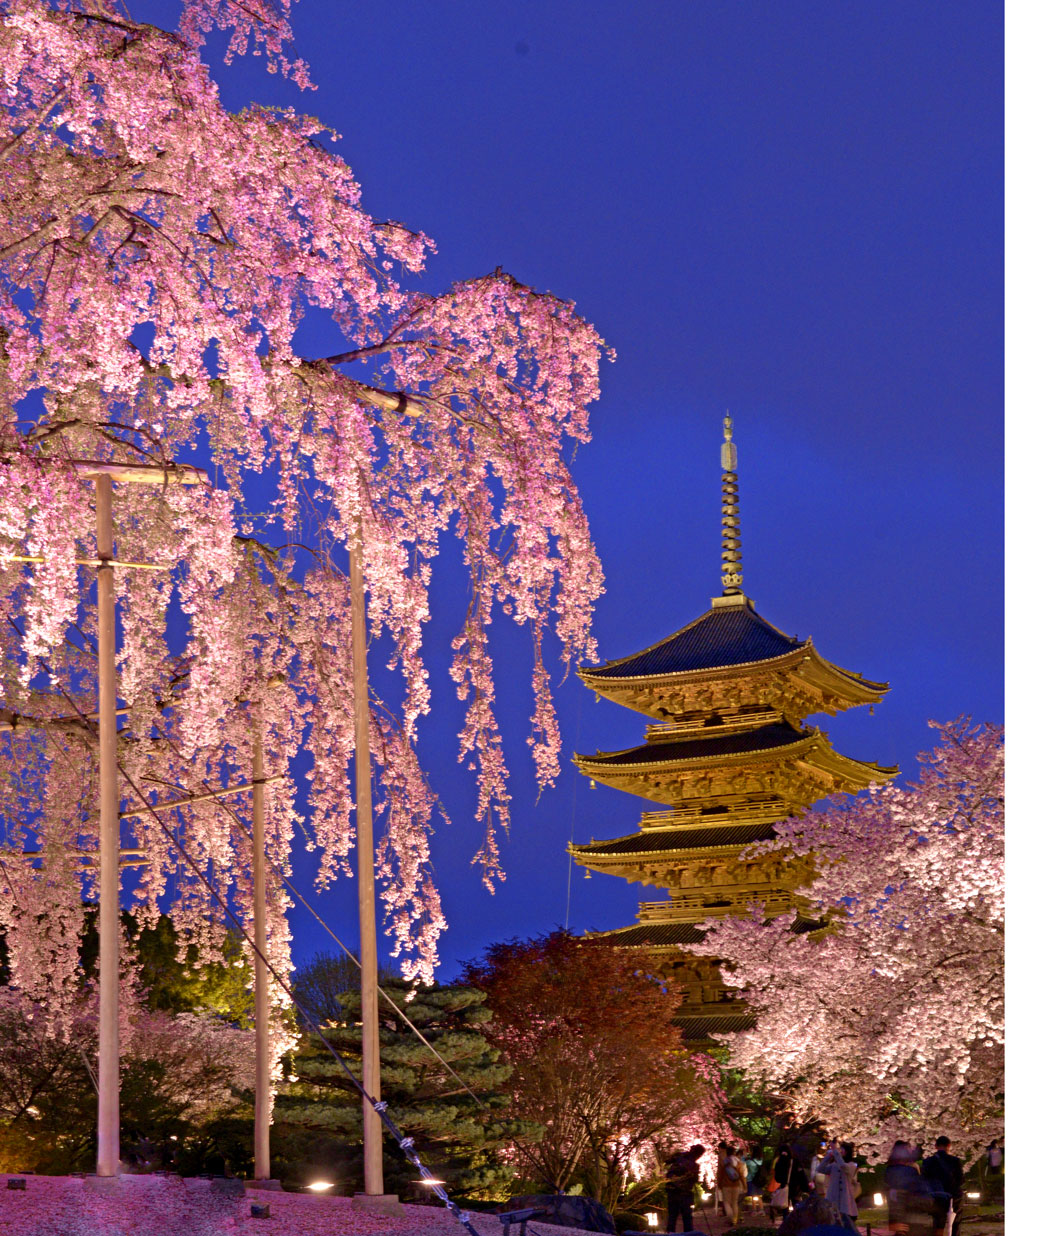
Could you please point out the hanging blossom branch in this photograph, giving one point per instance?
(137, 209)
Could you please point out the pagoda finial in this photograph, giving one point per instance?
(732, 569)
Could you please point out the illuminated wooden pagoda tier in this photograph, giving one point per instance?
(728, 756)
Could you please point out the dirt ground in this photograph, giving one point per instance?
(171, 1206)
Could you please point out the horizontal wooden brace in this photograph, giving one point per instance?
(88, 854)
(139, 474)
(95, 562)
(197, 798)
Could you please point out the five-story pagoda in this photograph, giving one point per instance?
(728, 755)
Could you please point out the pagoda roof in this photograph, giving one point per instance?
(741, 742)
(660, 841)
(696, 1029)
(652, 935)
(673, 934)
(800, 766)
(725, 635)
(730, 641)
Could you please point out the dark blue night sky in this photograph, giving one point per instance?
(790, 210)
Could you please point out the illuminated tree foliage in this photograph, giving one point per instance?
(180, 1071)
(890, 1024)
(157, 257)
(450, 1099)
(597, 1061)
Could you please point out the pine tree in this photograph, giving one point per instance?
(458, 1137)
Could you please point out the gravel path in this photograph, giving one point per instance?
(171, 1206)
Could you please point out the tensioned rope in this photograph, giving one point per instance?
(273, 866)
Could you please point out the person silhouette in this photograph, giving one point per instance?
(683, 1175)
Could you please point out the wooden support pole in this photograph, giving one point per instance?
(262, 974)
(104, 473)
(108, 1163)
(372, 1127)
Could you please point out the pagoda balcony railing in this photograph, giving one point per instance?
(727, 1001)
(715, 901)
(700, 727)
(772, 808)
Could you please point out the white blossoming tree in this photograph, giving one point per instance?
(890, 1024)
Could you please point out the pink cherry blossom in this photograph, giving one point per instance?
(889, 1024)
(157, 256)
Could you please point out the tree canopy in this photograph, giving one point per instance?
(446, 1083)
(181, 1071)
(158, 257)
(597, 1060)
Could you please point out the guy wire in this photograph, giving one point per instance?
(299, 897)
(307, 906)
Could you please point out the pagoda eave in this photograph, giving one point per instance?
(698, 1030)
(597, 861)
(683, 757)
(599, 681)
(800, 683)
(704, 839)
(798, 773)
(666, 938)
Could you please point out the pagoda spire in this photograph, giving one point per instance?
(732, 568)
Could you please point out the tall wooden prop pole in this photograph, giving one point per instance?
(366, 886)
(262, 975)
(109, 846)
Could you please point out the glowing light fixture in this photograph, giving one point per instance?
(319, 1186)
(877, 1199)
(432, 1181)
(652, 1218)
(976, 1197)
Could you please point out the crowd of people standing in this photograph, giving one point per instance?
(925, 1193)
